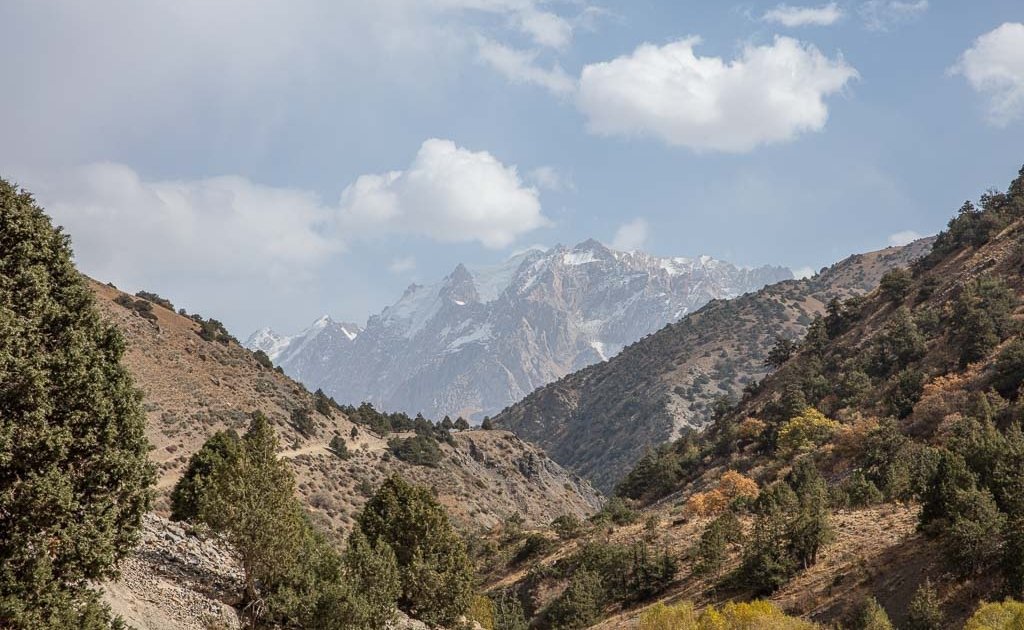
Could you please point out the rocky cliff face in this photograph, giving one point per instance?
(483, 338)
(600, 420)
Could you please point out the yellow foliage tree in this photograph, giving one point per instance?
(734, 485)
(755, 615)
(750, 428)
(731, 486)
(1008, 615)
(805, 431)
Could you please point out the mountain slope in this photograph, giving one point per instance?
(194, 387)
(483, 338)
(889, 441)
(602, 419)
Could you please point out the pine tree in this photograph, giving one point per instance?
(435, 571)
(74, 474)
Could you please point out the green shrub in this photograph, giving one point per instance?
(340, 448)
(566, 526)
(303, 422)
(263, 359)
(895, 285)
(420, 450)
(1008, 370)
(155, 299)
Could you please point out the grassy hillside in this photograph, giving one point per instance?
(194, 386)
(601, 420)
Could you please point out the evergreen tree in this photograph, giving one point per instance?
(221, 449)
(767, 563)
(809, 529)
(435, 572)
(871, 616)
(363, 597)
(508, 612)
(251, 501)
(580, 605)
(924, 612)
(74, 474)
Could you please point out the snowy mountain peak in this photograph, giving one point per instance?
(483, 337)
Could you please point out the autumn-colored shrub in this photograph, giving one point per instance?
(805, 431)
(755, 615)
(731, 486)
(1008, 615)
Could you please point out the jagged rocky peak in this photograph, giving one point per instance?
(459, 287)
(485, 336)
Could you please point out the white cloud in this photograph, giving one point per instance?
(449, 194)
(769, 94)
(231, 231)
(631, 236)
(549, 178)
(520, 66)
(794, 16)
(904, 237)
(402, 264)
(994, 67)
(545, 28)
(883, 15)
(803, 272)
(227, 225)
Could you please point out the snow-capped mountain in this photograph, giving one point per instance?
(305, 355)
(483, 338)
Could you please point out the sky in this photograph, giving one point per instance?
(268, 161)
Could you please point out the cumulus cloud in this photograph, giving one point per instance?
(448, 193)
(884, 15)
(770, 94)
(631, 236)
(520, 66)
(903, 238)
(794, 16)
(994, 67)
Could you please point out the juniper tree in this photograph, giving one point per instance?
(74, 474)
(434, 569)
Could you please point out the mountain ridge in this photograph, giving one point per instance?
(482, 338)
(600, 420)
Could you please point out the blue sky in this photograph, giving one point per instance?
(267, 162)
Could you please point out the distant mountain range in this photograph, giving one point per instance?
(483, 338)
